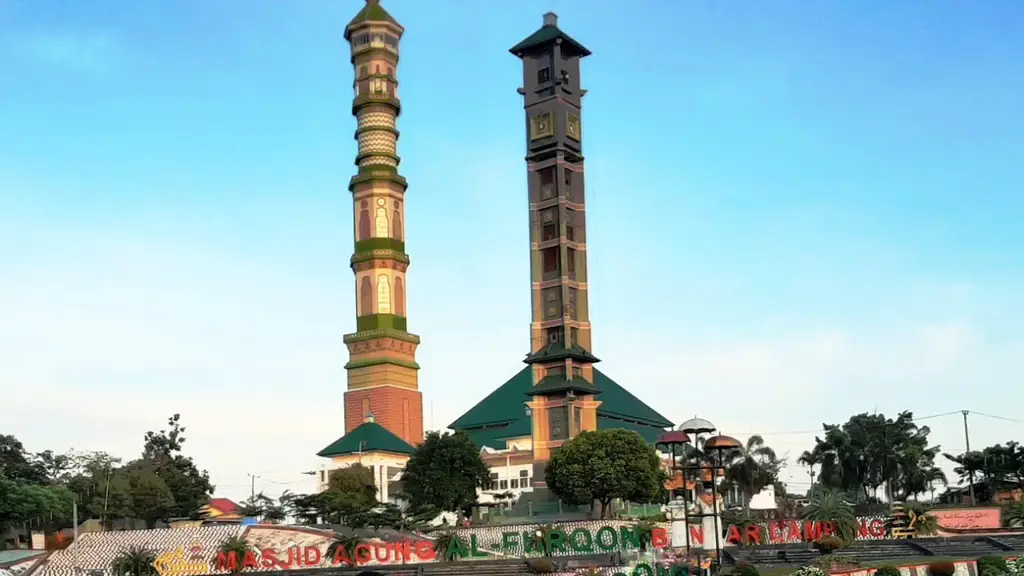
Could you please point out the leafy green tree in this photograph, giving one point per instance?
(190, 487)
(152, 499)
(993, 466)
(445, 473)
(16, 464)
(351, 491)
(870, 451)
(57, 467)
(101, 486)
(605, 465)
(43, 504)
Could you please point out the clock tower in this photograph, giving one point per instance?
(562, 400)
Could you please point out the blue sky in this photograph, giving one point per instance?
(796, 211)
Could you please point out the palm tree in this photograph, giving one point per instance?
(752, 467)
(235, 547)
(644, 531)
(445, 544)
(829, 505)
(134, 561)
(344, 544)
(1013, 516)
(810, 459)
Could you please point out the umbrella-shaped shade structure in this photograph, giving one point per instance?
(722, 443)
(696, 426)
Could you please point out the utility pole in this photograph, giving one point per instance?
(967, 440)
(252, 495)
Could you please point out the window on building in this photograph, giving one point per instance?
(549, 217)
(577, 372)
(572, 305)
(570, 221)
(400, 301)
(543, 75)
(503, 485)
(556, 334)
(363, 71)
(323, 476)
(574, 336)
(570, 256)
(514, 483)
(383, 294)
(547, 183)
(550, 257)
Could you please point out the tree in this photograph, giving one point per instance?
(445, 472)
(350, 492)
(870, 451)
(101, 486)
(235, 547)
(152, 499)
(42, 504)
(190, 487)
(752, 467)
(56, 467)
(830, 505)
(605, 465)
(994, 466)
(15, 463)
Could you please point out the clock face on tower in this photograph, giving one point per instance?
(541, 126)
(572, 127)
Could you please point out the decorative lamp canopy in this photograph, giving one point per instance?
(722, 443)
(697, 426)
(673, 437)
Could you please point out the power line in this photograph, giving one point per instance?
(1005, 418)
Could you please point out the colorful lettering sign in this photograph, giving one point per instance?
(967, 518)
(789, 532)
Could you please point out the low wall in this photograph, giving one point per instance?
(963, 568)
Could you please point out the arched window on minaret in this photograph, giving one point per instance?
(366, 297)
(383, 294)
(364, 220)
(396, 223)
(380, 222)
(399, 297)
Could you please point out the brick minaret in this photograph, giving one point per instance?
(382, 369)
(563, 397)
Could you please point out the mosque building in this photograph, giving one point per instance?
(559, 392)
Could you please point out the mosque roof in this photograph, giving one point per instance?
(502, 414)
(367, 437)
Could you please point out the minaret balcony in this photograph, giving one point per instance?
(376, 98)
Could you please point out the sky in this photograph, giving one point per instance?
(796, 212)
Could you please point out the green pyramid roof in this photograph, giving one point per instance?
(367, 437)
(547, 35)
(372, 12)
(502, 414)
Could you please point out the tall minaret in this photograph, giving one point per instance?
(563, 401)
(382, 369)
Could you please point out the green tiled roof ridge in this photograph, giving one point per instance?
(505, 406)
(367, 437)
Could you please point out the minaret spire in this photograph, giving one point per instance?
(382, 370)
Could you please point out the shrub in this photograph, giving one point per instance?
(809, 571)
(992, 566)
(745, 570)
(887, 570)
(828, 544)
(941, 569)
